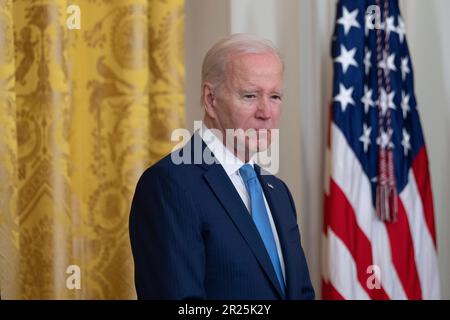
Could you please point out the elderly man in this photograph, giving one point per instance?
(222, 229)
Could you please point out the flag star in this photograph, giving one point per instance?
(387, 101)
(401, 29)
(387, 63)
(405, 104)
(365, 138)
(405, 67)
(390, 25)
(344, 96)
(367, 63)
(367, 99)
(405, 142)
(384, 140)
(348, 20)
(347, 58)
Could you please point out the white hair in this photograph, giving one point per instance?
(217, 58)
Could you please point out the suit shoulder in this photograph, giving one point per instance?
(162, 169)
(168, 168)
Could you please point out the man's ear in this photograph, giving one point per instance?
(209, 99)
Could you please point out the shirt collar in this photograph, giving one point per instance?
(224, 156)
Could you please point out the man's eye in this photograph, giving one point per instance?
(276, 97)
(249, 96)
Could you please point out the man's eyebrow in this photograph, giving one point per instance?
(278, 92)
(250, 88)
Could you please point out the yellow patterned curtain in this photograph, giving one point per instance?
(82, 113)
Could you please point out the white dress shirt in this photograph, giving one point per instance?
(231, 165)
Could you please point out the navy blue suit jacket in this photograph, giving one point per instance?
(193, 238)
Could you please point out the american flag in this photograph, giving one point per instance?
(378, 243)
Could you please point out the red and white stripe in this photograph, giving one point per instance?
(355, 239)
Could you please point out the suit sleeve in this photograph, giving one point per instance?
(166, 239)
(307, 288)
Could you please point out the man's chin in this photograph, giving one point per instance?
(249, 145)
(258, 146)
(263, 145)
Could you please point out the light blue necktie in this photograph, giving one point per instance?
(261, 218)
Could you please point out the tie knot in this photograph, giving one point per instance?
(247, 172)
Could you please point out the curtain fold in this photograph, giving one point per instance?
(82, 114)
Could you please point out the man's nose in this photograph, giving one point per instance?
(264, 111)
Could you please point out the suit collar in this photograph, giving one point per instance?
(279, 212)
(220, 183)
(224, 190)
(223, 155)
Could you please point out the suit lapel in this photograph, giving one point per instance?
(225, 191)
(278, 211)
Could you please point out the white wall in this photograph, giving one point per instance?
(302, 30)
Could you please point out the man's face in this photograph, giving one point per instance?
(250, 98)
